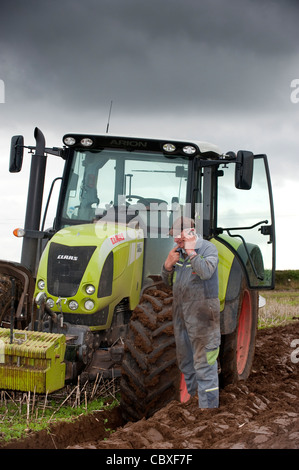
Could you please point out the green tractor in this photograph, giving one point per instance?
(87, 297)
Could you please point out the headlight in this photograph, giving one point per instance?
(73, 305)
(90, 289)
(50, 302)
(69, 141)
(89, 304)
(189, 149)
(86, 142)
(41, 284)
(169, 147)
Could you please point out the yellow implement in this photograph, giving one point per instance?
(31, 360)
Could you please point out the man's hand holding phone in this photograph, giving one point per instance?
(172, 258)
(190, 241)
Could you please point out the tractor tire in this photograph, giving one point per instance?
(238, 348)
(16, 295)
(150, 376)
(5, 299)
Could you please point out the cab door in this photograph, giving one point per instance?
(245, 219)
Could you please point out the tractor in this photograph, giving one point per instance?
(87, 297)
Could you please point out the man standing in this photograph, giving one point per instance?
(191, 268)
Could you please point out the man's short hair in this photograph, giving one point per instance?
(180, 224)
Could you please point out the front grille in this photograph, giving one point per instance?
(91, 319)
(66, 266)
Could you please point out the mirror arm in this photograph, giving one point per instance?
(221, 229)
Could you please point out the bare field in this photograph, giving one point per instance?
(282, 306)
(261, 413)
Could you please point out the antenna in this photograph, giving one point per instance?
(109, 117)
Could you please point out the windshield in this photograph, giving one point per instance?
(101, 180)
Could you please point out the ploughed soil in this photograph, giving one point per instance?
(261, 413)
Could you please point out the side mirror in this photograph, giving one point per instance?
(16, 153)
(244, 169)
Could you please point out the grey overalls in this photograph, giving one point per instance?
(196, 320)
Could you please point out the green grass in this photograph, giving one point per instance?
(282, 304)
(287, 280)
(281, 307)
(23, 413)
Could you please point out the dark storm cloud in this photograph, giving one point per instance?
(146, 54)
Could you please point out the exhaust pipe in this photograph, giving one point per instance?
(34, 201)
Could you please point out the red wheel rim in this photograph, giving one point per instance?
(244, 332)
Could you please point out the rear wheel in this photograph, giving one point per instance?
(5, 300)
(237, 348)
(11, 292)
(16, 295)
(150, 376)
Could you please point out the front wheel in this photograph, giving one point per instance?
(150, 376)
(237, 348)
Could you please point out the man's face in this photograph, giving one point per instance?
(180, 238)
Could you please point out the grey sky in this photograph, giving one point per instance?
(216, 70)
(189, 53)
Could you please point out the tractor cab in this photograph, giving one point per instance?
(150, 183)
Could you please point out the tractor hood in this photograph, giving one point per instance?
(87, 269)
